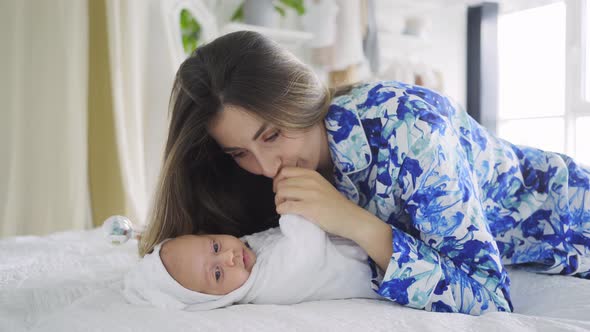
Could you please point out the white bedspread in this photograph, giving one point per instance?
(71, 282)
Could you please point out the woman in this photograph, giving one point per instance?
(438, 203)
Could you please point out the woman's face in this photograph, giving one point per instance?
(262, 148)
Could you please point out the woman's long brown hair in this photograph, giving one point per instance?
(201, 189)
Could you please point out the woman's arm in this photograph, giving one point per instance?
(374, 236)
(454, 264)
(463, 275)
(455, 272)
(306, 193)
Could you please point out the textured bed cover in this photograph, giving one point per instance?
(71, 281)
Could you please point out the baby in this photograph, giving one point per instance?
(210, 264)
(293, 263)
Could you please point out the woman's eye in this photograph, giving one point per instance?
(272, 137)
(217, 274)
(215, 247)
(238, 154)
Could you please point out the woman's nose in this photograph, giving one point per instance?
(270, 167)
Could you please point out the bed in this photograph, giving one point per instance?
(71, 281)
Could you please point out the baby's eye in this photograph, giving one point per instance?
(217, 274)
(215, 247)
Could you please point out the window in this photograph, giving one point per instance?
(583, 139)
(544, 78)
(531, 48)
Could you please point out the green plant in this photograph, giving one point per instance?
(191, 31)
(280, 6)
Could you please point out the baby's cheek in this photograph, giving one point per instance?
(243, 277)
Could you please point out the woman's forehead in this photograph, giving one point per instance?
(231, 114)
(234, 124)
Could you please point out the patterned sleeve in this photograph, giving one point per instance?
(453, 264)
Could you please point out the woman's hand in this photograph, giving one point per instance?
(305, 192)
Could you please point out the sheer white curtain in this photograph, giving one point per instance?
(142, 75)
(43, 116)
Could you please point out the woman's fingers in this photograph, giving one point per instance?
(291, 193)
(295, 182)
(290, 172)
(291, 207)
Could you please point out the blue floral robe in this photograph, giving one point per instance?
(461, 202)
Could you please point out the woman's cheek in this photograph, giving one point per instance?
(249, 166)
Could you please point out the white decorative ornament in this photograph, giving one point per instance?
(119, 229)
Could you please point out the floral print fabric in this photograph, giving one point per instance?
(461, 202)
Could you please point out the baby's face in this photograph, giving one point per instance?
(210, 264)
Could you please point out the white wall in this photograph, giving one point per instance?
(444, 46)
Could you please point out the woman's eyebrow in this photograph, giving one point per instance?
(260, 131)
(229, 149)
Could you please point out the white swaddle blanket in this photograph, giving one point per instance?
(296, 262)
(302, 263)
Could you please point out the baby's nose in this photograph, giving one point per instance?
(228, 257)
